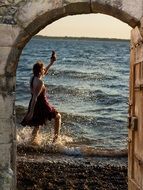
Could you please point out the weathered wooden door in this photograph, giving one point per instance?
(135, 133)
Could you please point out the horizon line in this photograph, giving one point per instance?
(81, 37)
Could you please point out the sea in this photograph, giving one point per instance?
(88, 85)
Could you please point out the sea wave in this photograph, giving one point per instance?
(84, 119)
(84, 74)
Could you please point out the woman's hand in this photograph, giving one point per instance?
(53, 57)
(52, 60)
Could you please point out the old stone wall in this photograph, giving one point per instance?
(19, 21)
(7, 10)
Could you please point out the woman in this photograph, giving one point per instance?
(39, 109)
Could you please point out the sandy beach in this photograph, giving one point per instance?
(45, 171)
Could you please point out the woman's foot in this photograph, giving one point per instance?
(35, 141)
(35, 136)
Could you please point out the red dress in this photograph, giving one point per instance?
(43, 111)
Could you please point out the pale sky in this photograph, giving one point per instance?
(90, 25)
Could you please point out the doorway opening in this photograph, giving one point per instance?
(89, 86)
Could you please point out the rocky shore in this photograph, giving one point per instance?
(36, 171)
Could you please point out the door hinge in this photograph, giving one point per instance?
(129, 121)
(133, 123)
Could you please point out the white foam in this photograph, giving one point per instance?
(45, 137)
(23, 135)
(64, 145)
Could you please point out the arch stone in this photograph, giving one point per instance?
(45, 12)
(19, 21)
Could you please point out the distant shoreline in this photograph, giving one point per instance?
(81, 38)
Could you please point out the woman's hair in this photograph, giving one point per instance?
(37, 68)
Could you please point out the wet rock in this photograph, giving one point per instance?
(69, 176)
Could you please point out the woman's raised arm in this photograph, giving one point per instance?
(52, 60)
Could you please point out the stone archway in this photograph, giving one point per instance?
(19, 22)
(34, 16)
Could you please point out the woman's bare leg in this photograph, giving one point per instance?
(34, 139)
(57, 127)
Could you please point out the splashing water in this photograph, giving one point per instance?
(45, 138)
(45, 141)
(64, 145)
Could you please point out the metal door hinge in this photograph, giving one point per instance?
(132, 123)
(129, 122)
